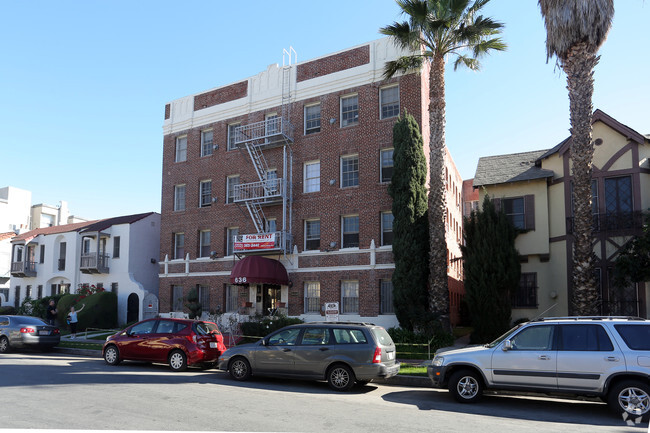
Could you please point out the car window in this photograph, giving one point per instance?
(534, 338)
(4, 321)
(584, 338)
(637, 337)
(143, 328)
(178, 327)
(349, 336)
(26, 320)
(165, 327)
(382, 337)
(206, 328)
(287, 337)
(316, 336)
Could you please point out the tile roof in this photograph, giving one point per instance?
(106, 223)
(52, 230)
(7, 235)
(514, 167)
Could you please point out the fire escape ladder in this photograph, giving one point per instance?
(257, 214)
(257, 157)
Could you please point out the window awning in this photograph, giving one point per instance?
(257, 269)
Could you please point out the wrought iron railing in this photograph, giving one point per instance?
(267, 131)
(94, 261)
(612, 221)
(263, 190)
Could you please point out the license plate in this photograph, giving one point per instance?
(391, 355)
(213, 345)
(43, 332)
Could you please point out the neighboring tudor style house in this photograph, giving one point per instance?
(118, 254)
(534, 189)
(274, 195)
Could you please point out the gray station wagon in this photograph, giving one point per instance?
(343, 353)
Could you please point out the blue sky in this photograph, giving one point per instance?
(83, 84)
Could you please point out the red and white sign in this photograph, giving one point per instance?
(332, 311)
(263, 241)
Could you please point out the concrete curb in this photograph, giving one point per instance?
(81, 352)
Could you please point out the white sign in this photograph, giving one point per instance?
(260, 241)
(332, 311)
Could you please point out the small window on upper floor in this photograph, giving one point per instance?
(232, 136)
(349, 110)
(312, 176)
(389, 101)
(179, 197)
(349, 171)
(205, 193)
(181, 149)
(386, 165)
(312, 119)
(207, 142)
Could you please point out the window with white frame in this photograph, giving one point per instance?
(389, 101)
(272, 125)
(179, 197)
(349, 110)
(387, 228)
(230, 241)
(386, 165)
(386, 297)
(204, 243)
(312, 297)
(349, 296)
(312, 176)
(231, 182)
(312, 119)
(270, 225)
(350, 231)
(272, 184)
(349, 171)
(232, 298)
(232, 136)
(207, 142)
(204, 297)
(312, 235)
(181, 149)
(179, 245)
(85, 245)
(206, 193)
(116, 247)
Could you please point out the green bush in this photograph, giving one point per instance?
(413, 345)
(261, 327)
(99, 310)
(8, 310)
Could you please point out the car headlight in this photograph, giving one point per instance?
(438, 361)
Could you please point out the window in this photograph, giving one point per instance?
(389, 101)
(386, 228)
(287, 337)
(231, 182)
(179, 245)
(233, 136)
(206, 193)
(637, 337)
(349, 297)
(143, 328)
(386, 297)
(28, 291)
(349, 336)
(17, 297)
(312, 297)
(41, 256)
(179, 197)
(177, 298)
(116, 247)
(580, 338)
(526, 295)
(62, 256)
(312, 119)
(232, 298)
(272, 183)
(85, 246)
(349, 171)
(165, 327)
(114, 288)
(40, 291)
(312, 176)
(204, 297)
(230, 241)
(204, 243)
(350, 232)
(312, 235)
(316, 336)
(181, 149)
(272, 125)
(534, 338)
(206, 142)
(514, 209)
(271, 225)
(618, 203)
(386, 165)
(349, 110)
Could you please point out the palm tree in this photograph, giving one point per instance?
(575, 30)
(434, 30)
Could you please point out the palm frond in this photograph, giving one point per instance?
(485, 46)
(469, 62)
(402, 64)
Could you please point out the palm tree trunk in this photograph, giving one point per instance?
(438, 287)
(579, 67)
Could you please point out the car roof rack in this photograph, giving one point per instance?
(576, 318)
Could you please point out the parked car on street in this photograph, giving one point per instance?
(606, 357)
(177, 342)
(26, 331)
(342, 353)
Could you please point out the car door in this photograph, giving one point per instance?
(586, 356)
(155, 346)
(313, 352)
(530, 361)
(134, 344)
(276, 355)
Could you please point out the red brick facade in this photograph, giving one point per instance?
(335, 63)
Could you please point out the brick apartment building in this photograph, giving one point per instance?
(274, 195)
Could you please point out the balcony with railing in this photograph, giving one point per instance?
(271, 132)
(264, 192)
(23, 269)
(262, 243)
(612, 222)
(94, 263)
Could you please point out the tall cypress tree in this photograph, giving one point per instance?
(492, 271)
(410, 225)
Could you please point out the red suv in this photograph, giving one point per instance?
(177, 342)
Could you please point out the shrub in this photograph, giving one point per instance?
(100, 310)
(417, 345)
(8, 310)
(263, 326)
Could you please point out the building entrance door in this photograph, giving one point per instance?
(270, 298)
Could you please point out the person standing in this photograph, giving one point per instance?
(72, 316)
(51, 312)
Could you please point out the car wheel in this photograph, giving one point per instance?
(4, 345)
(466, 386)
(631, 397)
(340, 377)
(177, 361)
(239, 369)
(112, 355)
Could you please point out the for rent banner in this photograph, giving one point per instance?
(255, 242)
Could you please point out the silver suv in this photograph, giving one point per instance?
(607, 357)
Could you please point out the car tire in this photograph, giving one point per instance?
(466, 386)
(239, 368)
(4, 345)
(177, 360)
(340, 377)
(112, 355)
(631, 397)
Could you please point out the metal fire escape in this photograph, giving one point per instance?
(274, 134)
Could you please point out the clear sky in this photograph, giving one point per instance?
(83, 84)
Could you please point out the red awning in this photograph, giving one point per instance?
(257, 269)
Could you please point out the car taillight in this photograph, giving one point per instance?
(376, 359)
(27, 330)
(56, 331)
